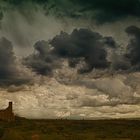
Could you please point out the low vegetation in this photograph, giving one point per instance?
(23, 129)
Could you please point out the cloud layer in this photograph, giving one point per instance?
(9, 71)
(106, 97)
(102, 11)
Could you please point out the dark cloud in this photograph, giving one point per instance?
(17, 2)
(73, 62)
(119, 62)
(110, 42)
(8, 66)
(83, 43)
(110, 10)
(41, 61)
(82, 47)
(133, 48)
(7, 59)
(101, 10)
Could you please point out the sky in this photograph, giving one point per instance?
(71, 59)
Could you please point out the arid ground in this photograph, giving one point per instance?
(23, 129)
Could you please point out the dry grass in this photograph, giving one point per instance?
(23, 129)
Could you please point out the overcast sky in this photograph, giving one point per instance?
(70, 59)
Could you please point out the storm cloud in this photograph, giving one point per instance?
(83, 43)
(8, 65)
(109, 10)
(102, 11)
(57, 41)
(133, 48)
(42, 61)
(7, 59)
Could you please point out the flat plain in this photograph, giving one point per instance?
(24, 129)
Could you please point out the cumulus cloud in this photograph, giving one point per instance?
(7, 58)
(42, 61)
(9, 70)
(83, 43)
(133, 48)
(82, 47)
(119, 62)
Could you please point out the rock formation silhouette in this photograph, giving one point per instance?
(7, 114)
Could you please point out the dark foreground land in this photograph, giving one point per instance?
(23, 129)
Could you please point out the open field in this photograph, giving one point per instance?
(23, 129)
